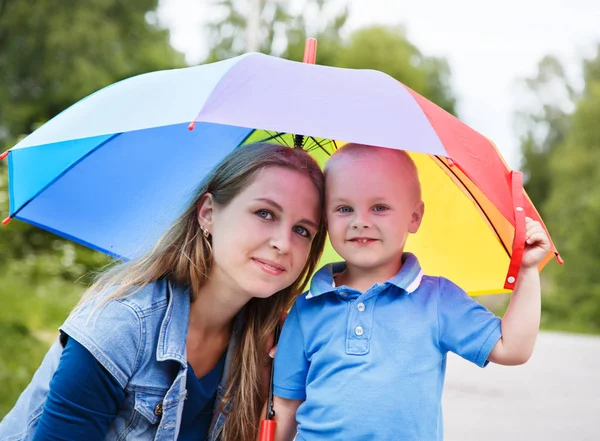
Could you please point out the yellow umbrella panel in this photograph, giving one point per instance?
(461, 237)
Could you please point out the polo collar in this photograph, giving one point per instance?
(408, 278)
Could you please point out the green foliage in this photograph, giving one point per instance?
(574, 215)
(32, 310)
(281, 30)
(563, 163)
(545, 126)
(53, 54)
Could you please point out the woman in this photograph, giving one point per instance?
(144, 352)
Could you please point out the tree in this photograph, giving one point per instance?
(573, 212)
(281, 29)
(543, 126)
(52, 54)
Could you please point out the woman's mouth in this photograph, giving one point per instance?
(269, 267)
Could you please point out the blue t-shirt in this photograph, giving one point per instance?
(371, 365)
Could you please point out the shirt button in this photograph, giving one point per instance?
(360, 306)
(158, 410)
(359, 330)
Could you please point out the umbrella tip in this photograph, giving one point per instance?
(4, 155)
(192, 125)
(310, 51)
(7, 220)
(559, 259)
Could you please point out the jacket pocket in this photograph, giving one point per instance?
(150, 405)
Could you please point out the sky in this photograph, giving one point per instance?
(490, 46)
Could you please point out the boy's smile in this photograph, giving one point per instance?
(372, 205)
(362, 241)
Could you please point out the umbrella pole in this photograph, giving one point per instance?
(268, 425)
(310, 56)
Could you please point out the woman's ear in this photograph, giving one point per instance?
(205, 210)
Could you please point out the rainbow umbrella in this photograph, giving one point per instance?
(97, 172)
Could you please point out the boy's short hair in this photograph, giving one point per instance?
(357, 150)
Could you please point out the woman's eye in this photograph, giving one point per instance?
(380, 208)
(265, 214)
(344, 209)
(302, 231)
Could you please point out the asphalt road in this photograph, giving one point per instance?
(554, 397)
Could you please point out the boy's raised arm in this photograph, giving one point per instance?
(521, 322)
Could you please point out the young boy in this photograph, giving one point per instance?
(362, 355)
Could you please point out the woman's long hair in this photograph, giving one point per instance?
(184, 256)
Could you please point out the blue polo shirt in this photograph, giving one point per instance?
(371, 365)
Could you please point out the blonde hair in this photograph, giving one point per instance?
(184, 256)
(354, 150)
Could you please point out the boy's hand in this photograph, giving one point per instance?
(537, 244)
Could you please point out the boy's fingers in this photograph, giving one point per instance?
(538, 238)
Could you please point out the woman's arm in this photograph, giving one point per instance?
(83, 400)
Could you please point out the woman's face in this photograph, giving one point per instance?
(262, 238)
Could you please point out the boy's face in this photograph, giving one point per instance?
(372, 205)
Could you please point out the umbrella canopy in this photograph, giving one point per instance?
(114, 170)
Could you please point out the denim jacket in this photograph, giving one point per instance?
(141, 341)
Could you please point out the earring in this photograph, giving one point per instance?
(205, 231)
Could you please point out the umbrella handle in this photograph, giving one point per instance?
(518, 246)
(267, 430)
(268, 425)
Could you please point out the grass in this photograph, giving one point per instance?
(30, 315)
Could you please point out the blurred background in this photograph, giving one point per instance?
(525, 73)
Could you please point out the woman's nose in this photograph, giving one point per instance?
(281, 240)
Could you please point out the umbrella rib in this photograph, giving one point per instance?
(481, 210)
(320, 145)
(270, 137)
(281, 135)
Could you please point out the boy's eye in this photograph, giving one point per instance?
(264, 214)
(344, 209)
(302, 231)
(380, 208)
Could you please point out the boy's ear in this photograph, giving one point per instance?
(417, 217)
(205, 211)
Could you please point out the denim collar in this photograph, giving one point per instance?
(174, 327)
(408, 278)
